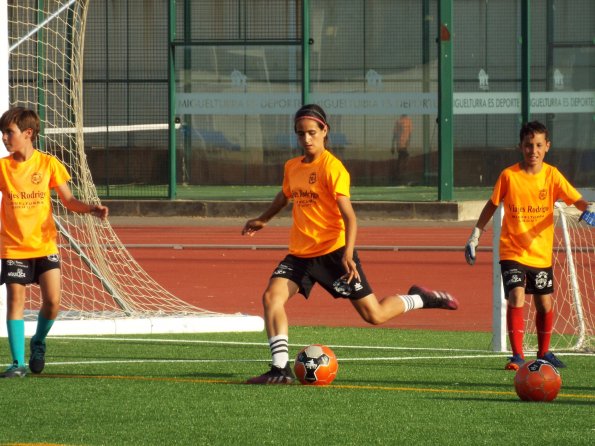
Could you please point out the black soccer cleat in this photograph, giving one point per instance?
(276, 375)
(37, 357)
(435, 299)
(553, 360)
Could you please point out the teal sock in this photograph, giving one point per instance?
(43, 328)
(16, 340)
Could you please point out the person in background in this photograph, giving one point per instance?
(400, 145)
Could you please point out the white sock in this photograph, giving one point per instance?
(280, 350)
(412, 302)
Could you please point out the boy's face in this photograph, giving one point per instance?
(14, 139)
(534, 147)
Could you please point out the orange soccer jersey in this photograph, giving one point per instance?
(27, 229)
(528, 227)
(318, 226)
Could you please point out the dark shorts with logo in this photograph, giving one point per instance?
(26, 271)
(325, 270)
(534, 280)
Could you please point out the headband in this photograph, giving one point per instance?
(313, 118)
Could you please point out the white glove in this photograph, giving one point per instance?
(589, 215)
(471, 245)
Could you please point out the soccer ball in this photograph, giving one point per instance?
(537, 380)
(316, 365)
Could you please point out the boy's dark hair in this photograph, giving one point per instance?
(533, 127)
(24, 119)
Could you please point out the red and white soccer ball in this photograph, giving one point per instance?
(316, 365)
(537, 380)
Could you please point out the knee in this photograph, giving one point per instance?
(372, 319)
(270, 299)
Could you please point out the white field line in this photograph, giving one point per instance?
(476, 353)
(230, 361)
(198, 341)
(206, 361)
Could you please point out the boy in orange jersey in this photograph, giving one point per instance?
(528, 191)
(322, 245)
(28, 246)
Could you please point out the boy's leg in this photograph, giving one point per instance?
(544, 323)
(15, 294)
(515, 322)
(16, 340)
(50, 284)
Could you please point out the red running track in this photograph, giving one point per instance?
(232, 280)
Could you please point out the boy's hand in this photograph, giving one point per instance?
(99, 211)
(589, 215)
(471, 245)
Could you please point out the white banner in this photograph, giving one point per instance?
(382, 104)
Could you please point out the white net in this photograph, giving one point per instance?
(574, 294)
(101, 280)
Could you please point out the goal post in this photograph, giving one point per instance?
(104, 290)
(574, 288)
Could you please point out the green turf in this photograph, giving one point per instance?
(265, 193)
(435, 388)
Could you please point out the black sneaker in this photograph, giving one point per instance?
(435, 299)
(14, 371)
(276, 375)
(553, 360)
(37, 358)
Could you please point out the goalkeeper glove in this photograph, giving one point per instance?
(471, 245)
(589, 215)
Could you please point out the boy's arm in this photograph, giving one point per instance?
(256, 224)
(485, 216)
(74, 205)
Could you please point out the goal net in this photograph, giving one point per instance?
(104, 289)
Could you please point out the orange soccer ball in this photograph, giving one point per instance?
(316, 365)
(537, 380)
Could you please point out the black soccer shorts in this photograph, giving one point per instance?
(536, 281)
(27, 271)
(325, 270)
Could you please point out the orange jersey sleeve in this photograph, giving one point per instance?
(27, 228)
(318, 227)
(528, 226)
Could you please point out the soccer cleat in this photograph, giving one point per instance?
(514, 362)
(435, 299)
(37, 358)
(14, 371)
(276, 375)
(553, 360)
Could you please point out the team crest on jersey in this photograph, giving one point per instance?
(312, 178)
(36, 178)
(542, 194)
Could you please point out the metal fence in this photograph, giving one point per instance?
(239, 69)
